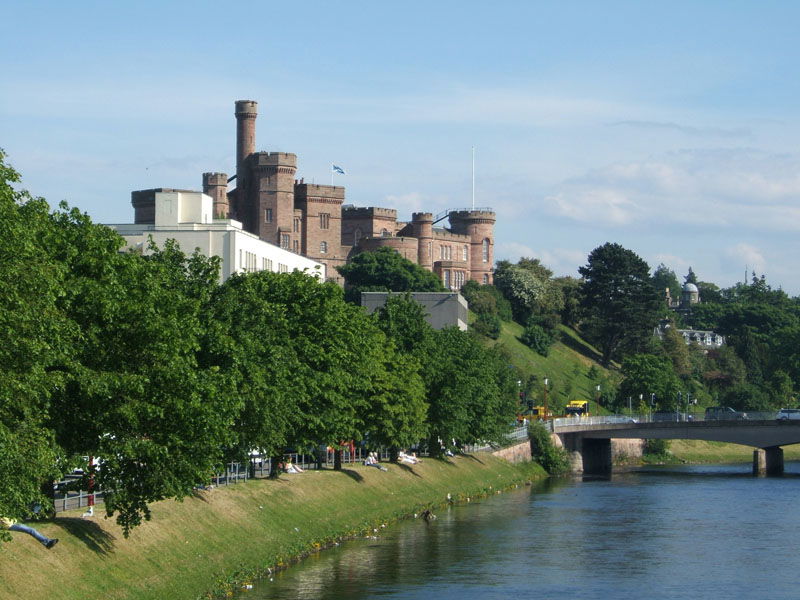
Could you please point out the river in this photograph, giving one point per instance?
(656, 532)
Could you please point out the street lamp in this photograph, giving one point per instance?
(545, 401)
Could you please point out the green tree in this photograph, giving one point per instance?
(647, 374)
(676, 349)
(529, 288)
(36, 340)
(664, 279)
(135, 395)
(619, 300)
(385, 271)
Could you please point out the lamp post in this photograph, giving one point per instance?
(545, 402)
(597, 396)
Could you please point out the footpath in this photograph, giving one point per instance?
(208, 544)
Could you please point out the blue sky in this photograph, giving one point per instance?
(670, 128)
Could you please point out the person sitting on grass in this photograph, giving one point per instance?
(292, 468)
(372, 461)
(409, 459)
(12, 525)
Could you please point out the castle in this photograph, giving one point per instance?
(312, 220)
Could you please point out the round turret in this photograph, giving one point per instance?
(422, 224)
(479, 226)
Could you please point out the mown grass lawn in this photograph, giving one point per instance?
(223, 535)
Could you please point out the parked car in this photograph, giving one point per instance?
(788, 414)
(724, 413)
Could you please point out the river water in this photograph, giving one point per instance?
(657, 532)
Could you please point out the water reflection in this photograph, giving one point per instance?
(671, 532)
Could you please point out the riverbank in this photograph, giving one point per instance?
(219, 537)
(700, 452)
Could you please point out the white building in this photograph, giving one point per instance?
(187, 218)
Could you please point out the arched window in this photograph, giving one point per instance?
(323, 247)
(385, 233)
(486, 250)
(485, 279)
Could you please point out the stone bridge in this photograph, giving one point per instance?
(589, 443)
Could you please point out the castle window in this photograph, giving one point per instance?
(296, 246)
(485, 279)
(430, 249)
(324, 220)
(356, 236)
(448, 252)
(285, 241)
(486, 250)
(458, 276)
(446, 278)
(296, 228)
(385, 233)
(267, 215)
(464, 253)
(441, 252)
(266, 264)
(323, 247)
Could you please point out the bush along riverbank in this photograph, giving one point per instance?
(208, 545)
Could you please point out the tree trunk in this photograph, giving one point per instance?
(337, 460)
(275, 466)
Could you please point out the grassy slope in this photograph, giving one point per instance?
(696, 451)
(189, 547)
(566, 365)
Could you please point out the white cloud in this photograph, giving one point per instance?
(562, 261)
(748, 256)
(704, 188)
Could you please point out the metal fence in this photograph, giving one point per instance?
(664, 417)
(259, 467)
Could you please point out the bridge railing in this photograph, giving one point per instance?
(661, 417)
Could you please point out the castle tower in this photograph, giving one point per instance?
(216, 186)
(422, 227)
(479, 226)
(268, 209)
(246, 113)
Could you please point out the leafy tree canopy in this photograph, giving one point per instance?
(529, 288)
(619, 300)
(385, 271)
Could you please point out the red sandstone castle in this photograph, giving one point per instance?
(311, 220)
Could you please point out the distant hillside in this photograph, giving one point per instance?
(567, 366)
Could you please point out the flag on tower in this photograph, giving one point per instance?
(338, 170)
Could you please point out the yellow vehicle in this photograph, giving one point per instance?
(535, 413)
(577, 408)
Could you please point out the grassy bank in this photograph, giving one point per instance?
(194, 546)
(698, 452)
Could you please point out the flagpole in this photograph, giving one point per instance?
(473, 178)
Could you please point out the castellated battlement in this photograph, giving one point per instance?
(246, 108)
(213, 179)
(483, 215)
(274, 159)
(311, 192)
(367, 212)
(422, 217)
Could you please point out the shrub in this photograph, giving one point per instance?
(537, 339)
(656, 447)
(553, 460)
(488, 325)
